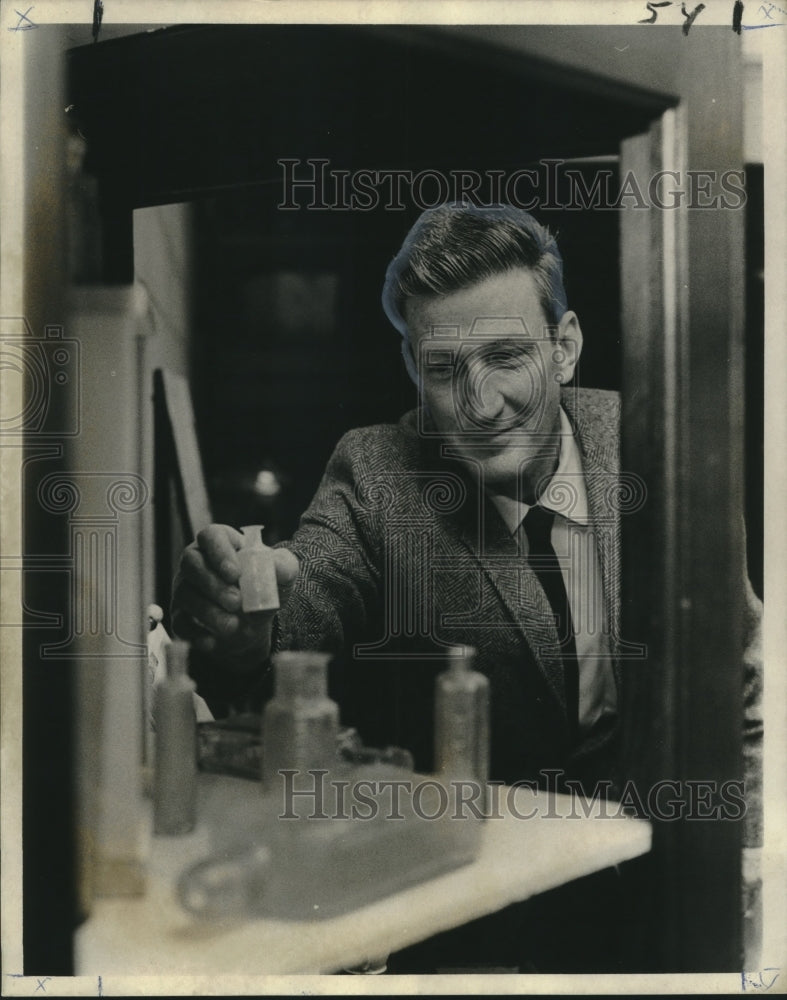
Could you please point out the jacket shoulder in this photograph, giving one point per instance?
(381, 446)
(593, 408)
(591, 402)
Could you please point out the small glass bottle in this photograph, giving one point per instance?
(175, 775)
(258, 587)
(462, 719)
(300, 724)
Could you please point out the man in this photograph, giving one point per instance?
(486, 518)
(418, 538)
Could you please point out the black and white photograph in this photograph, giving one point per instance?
(391, 528)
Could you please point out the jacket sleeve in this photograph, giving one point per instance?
(337, 545)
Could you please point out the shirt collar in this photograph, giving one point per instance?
(565, 494)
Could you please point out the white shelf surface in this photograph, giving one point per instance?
(154, 935)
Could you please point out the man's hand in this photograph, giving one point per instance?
(206, 604)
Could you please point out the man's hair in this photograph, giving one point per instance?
(452, 247)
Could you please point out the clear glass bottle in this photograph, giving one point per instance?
(462, 719)
(258, 587)
(175, 774)
(321, 854)
(300, 724)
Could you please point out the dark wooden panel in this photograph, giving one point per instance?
(683, 552)
(177, 112)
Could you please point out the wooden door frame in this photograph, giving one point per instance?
(682, 285)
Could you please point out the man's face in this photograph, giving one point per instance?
(491, 372)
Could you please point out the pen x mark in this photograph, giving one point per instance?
(21, 25)
(748, 979)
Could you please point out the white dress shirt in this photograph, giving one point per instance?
(574, 542)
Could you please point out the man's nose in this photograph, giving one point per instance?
(488, 395)
(501, 397)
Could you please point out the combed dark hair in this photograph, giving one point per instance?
(455, 246)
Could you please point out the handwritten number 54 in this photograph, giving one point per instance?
(690, 17)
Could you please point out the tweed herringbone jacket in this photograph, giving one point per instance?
(402, 554)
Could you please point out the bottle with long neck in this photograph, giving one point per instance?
(462, 719)
(175, 775)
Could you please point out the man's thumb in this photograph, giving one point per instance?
(287, 568)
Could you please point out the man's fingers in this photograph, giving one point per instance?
(219, 545)
(206, 600)
(205, 612)
(196, 573)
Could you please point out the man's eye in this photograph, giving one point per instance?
(508, 360)
(439, 373)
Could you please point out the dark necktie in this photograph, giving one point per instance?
(544, 563)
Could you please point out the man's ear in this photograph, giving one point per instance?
(569, 339)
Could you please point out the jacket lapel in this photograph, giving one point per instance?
(517, 598)
(510, 591)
